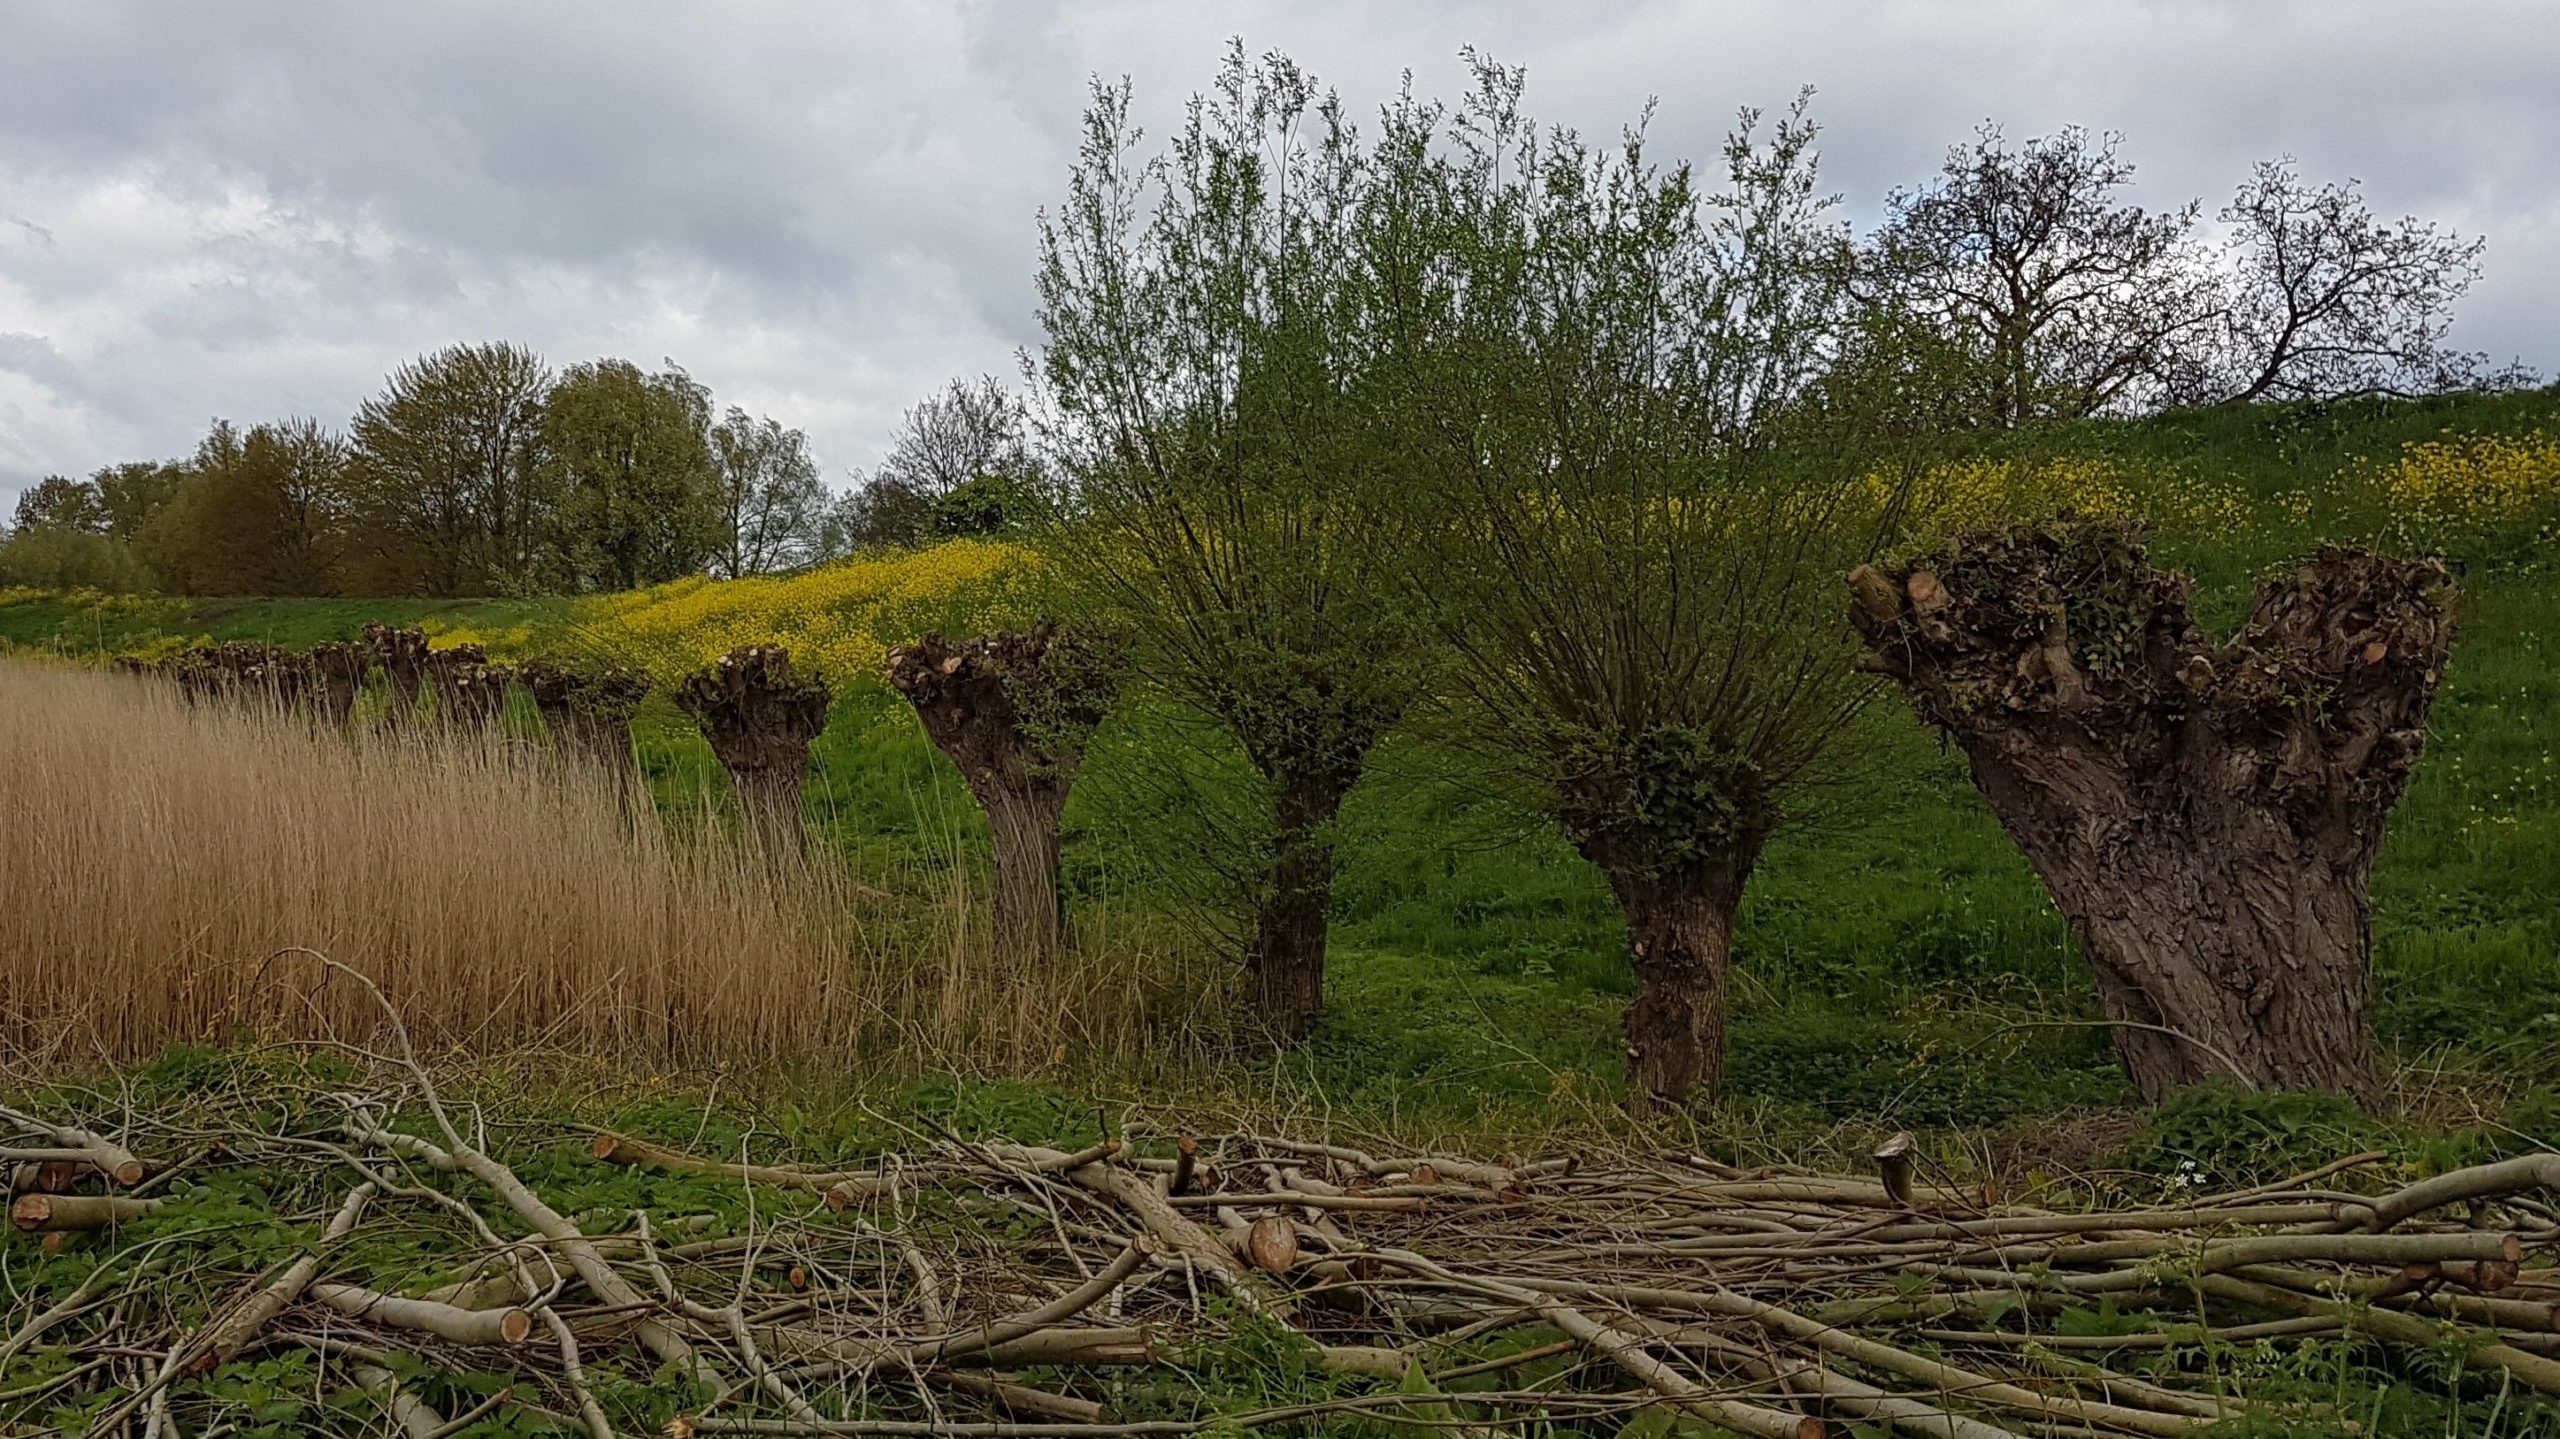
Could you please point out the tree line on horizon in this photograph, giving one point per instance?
(479, 471)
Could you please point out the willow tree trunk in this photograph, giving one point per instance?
(1680, 941)
(761, 718)
(338, 673)
(1030, 910)
(1013, 711)
(588, 713)
(1286, 963)
(772, 799)
(2205, 815)
(403, 655)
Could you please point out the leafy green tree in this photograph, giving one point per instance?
(988, 505)
(135, 491)
(1213, 315)
(54, 557)
(635, 497)
(58, 502)
(1632, 488)
(971, 435)
(772, 504)
(255, 513)
(447, 490)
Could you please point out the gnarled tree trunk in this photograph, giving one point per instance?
(403, 655)
(761, 718)
(2206, 815)
(1014, 712)
(338, 672)
(589, 716)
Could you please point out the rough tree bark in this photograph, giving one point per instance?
(403, 655)
(760, 718)
(1286, 961)
(589, 715)
(337, 675)
(1675, 823)
(2205, 815)
(1014, 712)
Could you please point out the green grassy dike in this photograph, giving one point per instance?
(1899, 967)
(1898, 964)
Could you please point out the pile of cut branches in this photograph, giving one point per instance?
(427, 1287)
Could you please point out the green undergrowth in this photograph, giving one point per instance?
(1898, 964)
(236, 1212)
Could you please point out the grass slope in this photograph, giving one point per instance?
(1899, 964)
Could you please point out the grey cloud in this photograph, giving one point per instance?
(824, 210)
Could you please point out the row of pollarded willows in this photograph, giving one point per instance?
(914, 1293)
(588, 712)
(1012, 710)
(2204, 810)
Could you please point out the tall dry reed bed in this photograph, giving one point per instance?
(160, 862)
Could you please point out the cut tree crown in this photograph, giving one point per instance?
(2205, 812)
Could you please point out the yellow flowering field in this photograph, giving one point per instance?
(1984, 491)
(2436, 492)
(840, 619)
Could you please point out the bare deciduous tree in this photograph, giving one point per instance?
(771, 502)
(2067, 300)
(2328, 302)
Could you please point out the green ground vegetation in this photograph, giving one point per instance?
(1898, 963)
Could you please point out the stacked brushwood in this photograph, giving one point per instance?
(993, 1288)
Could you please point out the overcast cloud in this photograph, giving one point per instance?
(825, 210)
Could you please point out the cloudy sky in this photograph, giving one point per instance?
(825, 210)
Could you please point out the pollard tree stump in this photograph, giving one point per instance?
(1014, 711)
(588, 713)
(761, 717)
(403, 656)
(445, 674)
(473, 696)
(337, 672)
(2204, 813)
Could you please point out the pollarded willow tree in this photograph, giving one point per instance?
(761, 716)
(1636, 465)
(2205, 812)
(1215, 317)
(1014, 711)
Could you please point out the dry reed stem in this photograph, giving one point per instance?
(157, 854)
